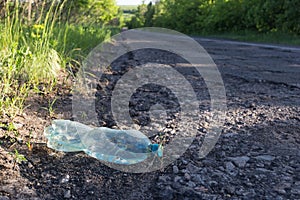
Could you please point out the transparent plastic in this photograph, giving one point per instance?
(110, 145)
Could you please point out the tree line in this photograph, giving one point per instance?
(73, 11)
(210, 16)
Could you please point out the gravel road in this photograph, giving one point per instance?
(256, 157)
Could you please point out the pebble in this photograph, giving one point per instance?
(197, 178)
(175, 169)
(177, 178)
(229, 166)
(280, 190)
(295, 191)
(227, 135)
(192, 168)
(167, 193)
(240, 161)
(191, 184)
(65, 179)
(163, 178)
(67, 194)
(4, 198)
(213, 183)
(30, 166)
(187, 176)
(230, 189)
(265, 157)
(176, 185)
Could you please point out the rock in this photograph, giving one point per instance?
(249, 194)
(192, 168)
(184, 161)
(263, 170)
(213, 183)
(229, 166)
(230, 189)
(189, 193)
(191, 184)
(67, 194)
(280, 190)
(176, 185)
(197, 178)
(227, 135)
(175, 169)
(163, 178)
(4, 198)
(30, 166)
(65, 179)
(187, 176)
(177, 178)
(239, 161)
(167, 193)
(295, 190)
(265, 158)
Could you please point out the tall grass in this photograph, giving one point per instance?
(27, 57)
(34, 51)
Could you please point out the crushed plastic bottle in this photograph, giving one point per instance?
(111, 145)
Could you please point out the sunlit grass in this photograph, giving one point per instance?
(35, 53)
(252, 36)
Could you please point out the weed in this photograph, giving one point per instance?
(50, 108)
(18, 158)
(28, 143)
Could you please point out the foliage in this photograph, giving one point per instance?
(139, 19)
(35, 50)
(27, 55)
(204, 16)
(92, 11)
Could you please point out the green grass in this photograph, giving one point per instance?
(35, 53)
(251, 36)
(27, 56)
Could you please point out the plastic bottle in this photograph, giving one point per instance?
(111, 145)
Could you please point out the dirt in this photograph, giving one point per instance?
(256, 157)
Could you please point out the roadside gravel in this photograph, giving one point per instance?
(256, 157)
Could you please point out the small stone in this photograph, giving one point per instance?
(230, 189)
(175, 169)
(295, 191)
(177, 178)
(176, 185)
(265, 158)
(65, 179)
(229, 166)
(4, 198)
(30, 166)
(240, 161)
(167, 193)
(35, 160)
(163, 178)
(191, 184)
(263, 170)
(187, 176)
(197, 178)
(213, 183)
(280, 190)
(227, 135)
(249, 194)
(67, 194)
(184, 161)
(192, 168)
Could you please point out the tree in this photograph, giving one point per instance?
(92, 11)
